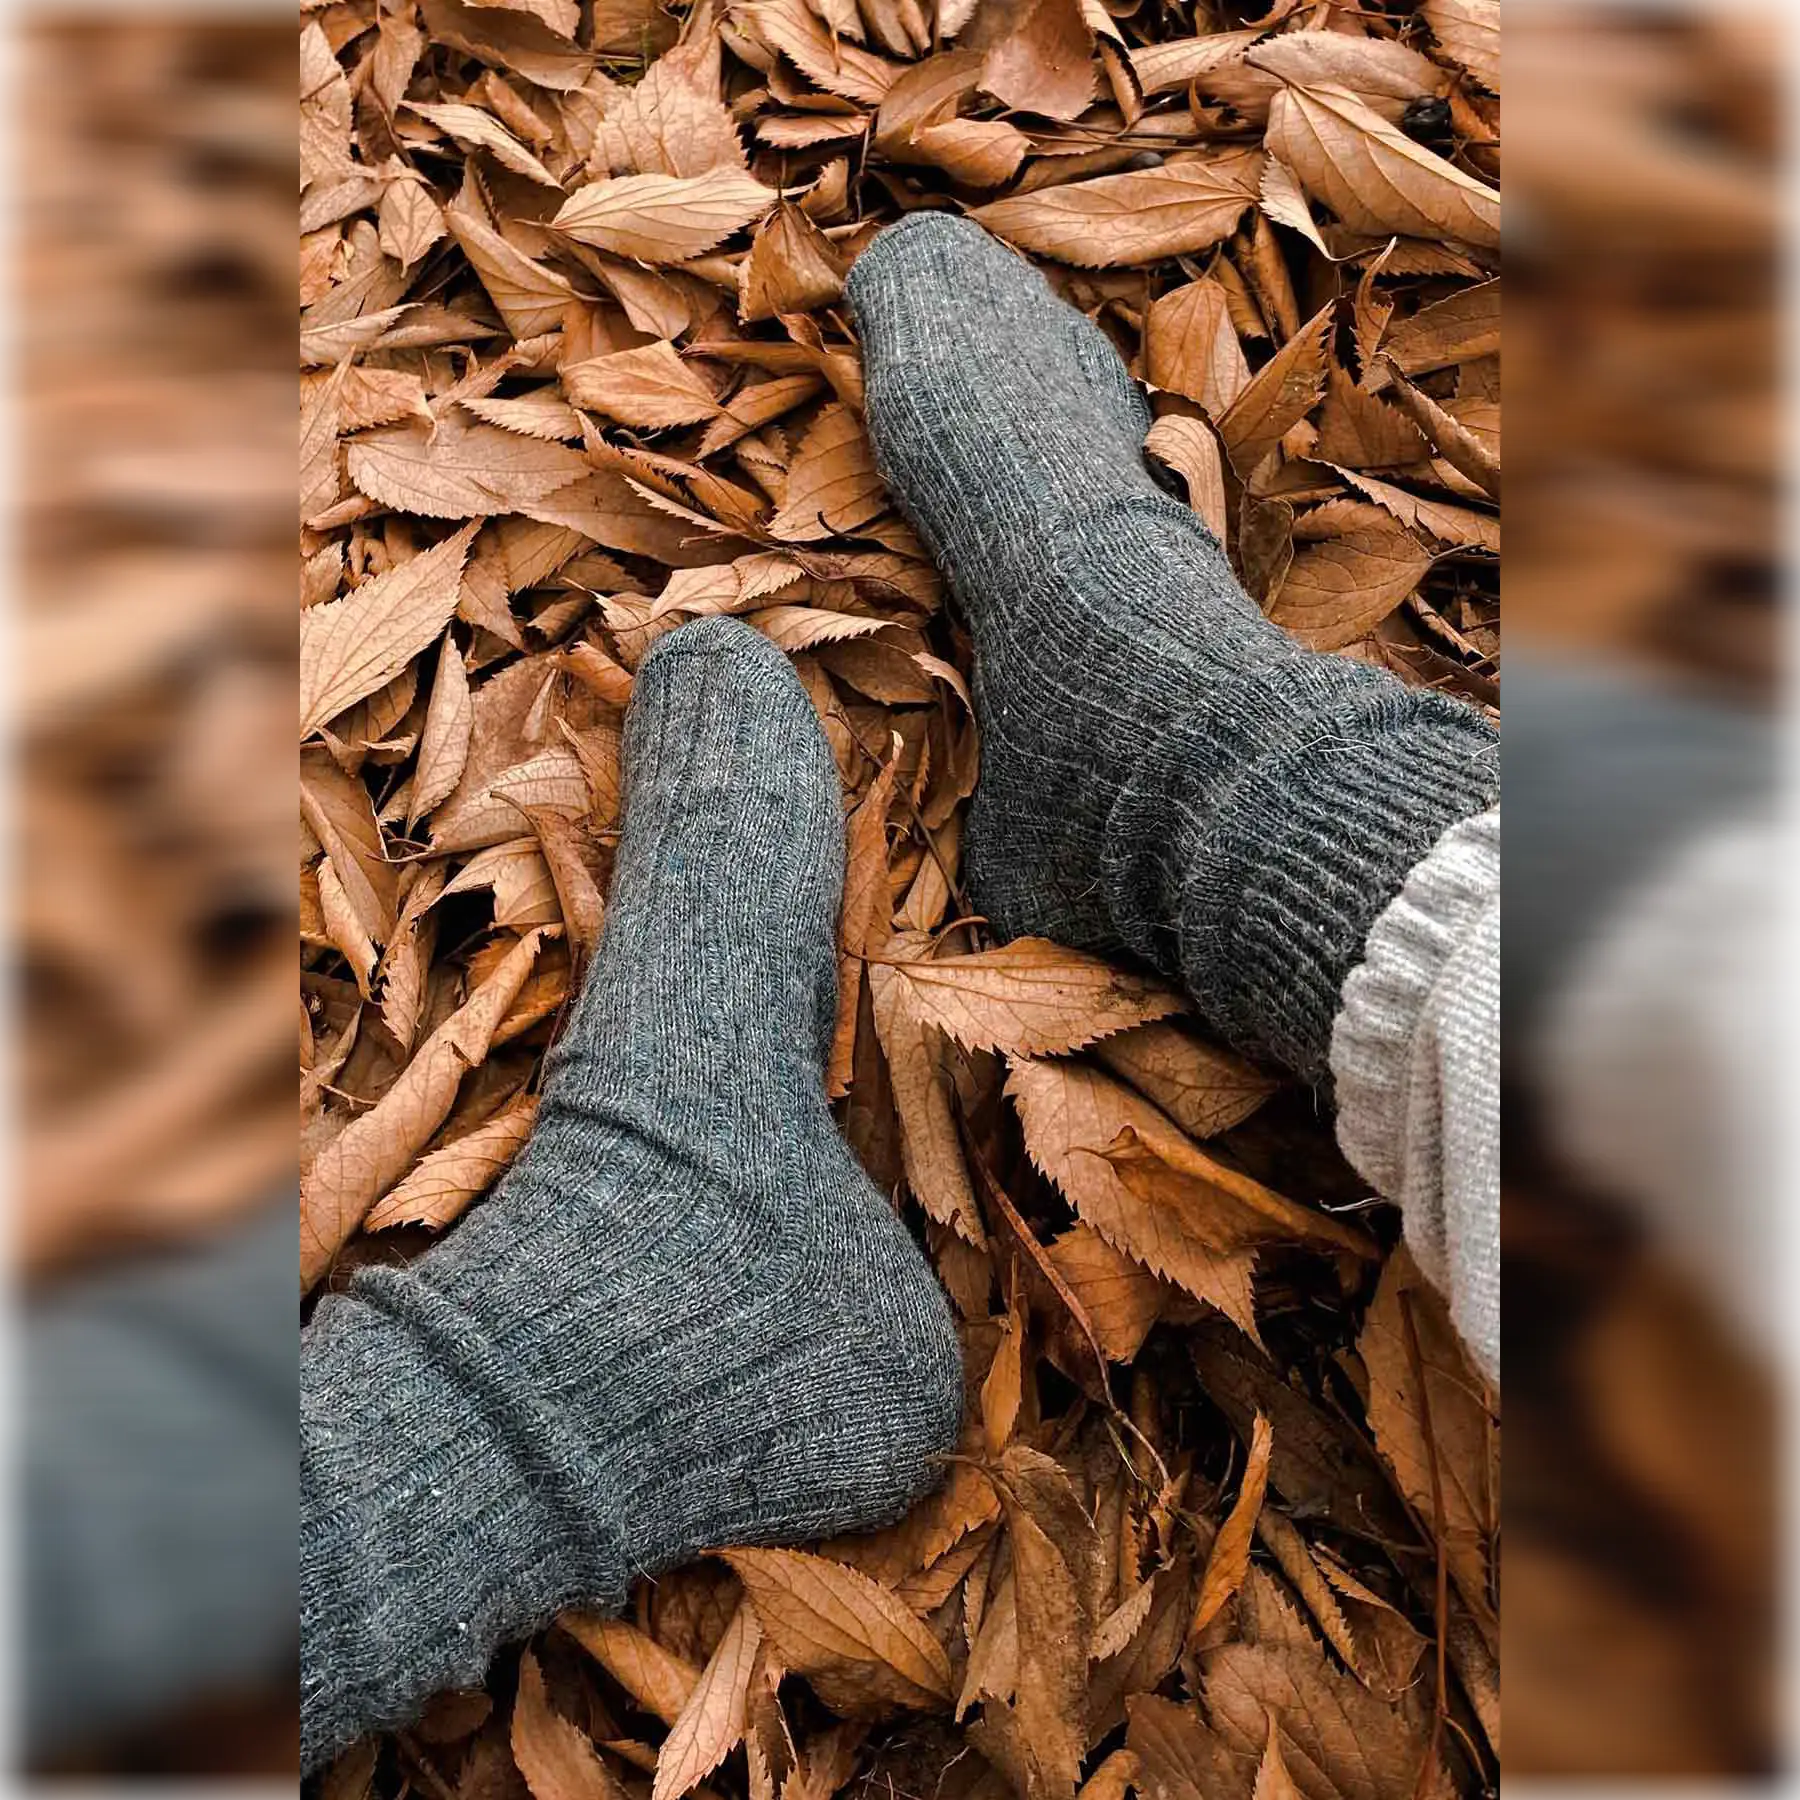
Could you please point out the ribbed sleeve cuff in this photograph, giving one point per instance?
(1415, 1059)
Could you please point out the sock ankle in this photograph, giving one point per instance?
(1165, 774)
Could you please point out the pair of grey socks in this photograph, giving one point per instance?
(685, 1318)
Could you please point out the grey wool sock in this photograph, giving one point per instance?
(1164, 773)
(685, 1319)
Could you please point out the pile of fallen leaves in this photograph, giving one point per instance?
(576, 368)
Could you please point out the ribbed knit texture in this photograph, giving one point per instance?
(1415, 1055)
(1164, 773)
(686, 1318)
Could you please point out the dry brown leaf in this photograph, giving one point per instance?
(485, 813)
(335, 807)
(1359, 430)
(1470, 452)
(1284, 201)
(1273, 1782)
(1230, 1557)
(711, 1720)
(1190, 347)
(928, 93)
(729, 588)
(664, 218)
(1281, 393)
(406, 966)
(528, 296)
(1115, 221)
(1123, 1623)
(755, 406)
(672, 122)
(1030, 997)
(1045, 64)
(478, 130)
(343, 928)
(864, 919)
(1440, 519)
(1051, 1612)
(791, 28)
(371, 1153)
(833, 484)
(791, 268)
(1191, 448)
(612, 509)
(1464, 1441)
(1372, 175)
(351, 647)
(1002, 1387)
(556, 1758)
(656, 1678)
(321, 420)
(562, 16)
(1384, 74)
(1457, 329)
(650, 388)
(1218, 1204)
(447, 1181)
(918, 1063)
(795, 628)
(411, 219)
(1340, 589)
(444, 740)
(1121, 1298)
(523, 43)
(856, 1643)
(1163, 67)
(566, 851)
(539, 414)
(1071, 1113)
(1179, 1757)
(1338, 1741)
(1469, 31)
(803, 131)
(460, 470)
(1203, 1087)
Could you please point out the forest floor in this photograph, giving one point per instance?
(576, 367)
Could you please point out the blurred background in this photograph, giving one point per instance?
(151, 171)
(151, 175)
(1648, 1287)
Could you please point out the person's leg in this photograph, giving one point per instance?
(686, 1319)
(156, 1488)
(1166, 774)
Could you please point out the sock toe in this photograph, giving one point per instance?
(926, 280)
(719, 719)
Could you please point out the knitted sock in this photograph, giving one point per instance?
(1164, 773)
(686, 1318)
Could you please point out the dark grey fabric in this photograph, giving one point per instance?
(1164, 773)
(686, 1318)
(157, 1503)
(1616, 772)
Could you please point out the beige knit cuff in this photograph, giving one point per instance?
(1415, 1054)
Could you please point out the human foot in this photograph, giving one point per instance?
(685, 1318)
(1164, 773)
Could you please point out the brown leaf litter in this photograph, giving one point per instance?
(575, 367)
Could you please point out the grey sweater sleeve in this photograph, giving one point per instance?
(158, 1502)
(1415, 1054)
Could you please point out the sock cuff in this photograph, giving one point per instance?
(1288, 869)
